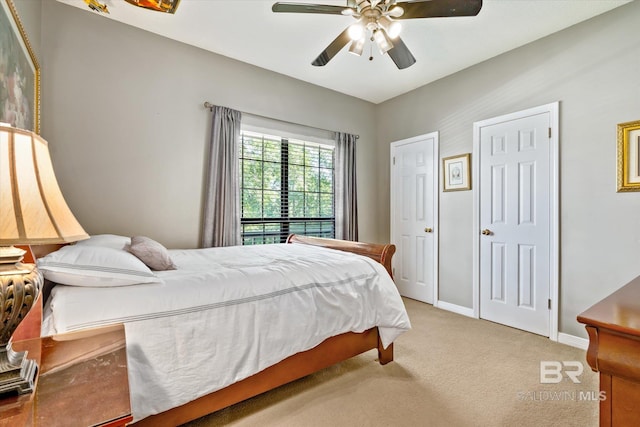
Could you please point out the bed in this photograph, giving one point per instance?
(231, 323)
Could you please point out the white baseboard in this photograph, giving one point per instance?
(465, 311)
(573, 341)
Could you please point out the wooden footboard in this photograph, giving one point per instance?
(327, 353)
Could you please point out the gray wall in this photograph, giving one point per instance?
(29, 12)
(123, 113)
(593, 69)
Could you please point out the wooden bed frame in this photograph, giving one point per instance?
(327, 353)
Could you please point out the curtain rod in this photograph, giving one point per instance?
(210, 106)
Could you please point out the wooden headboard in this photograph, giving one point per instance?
(377, 252)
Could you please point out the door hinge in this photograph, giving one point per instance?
(549, 304)
(394, 160)
(549, 132)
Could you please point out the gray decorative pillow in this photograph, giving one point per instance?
(150, 252)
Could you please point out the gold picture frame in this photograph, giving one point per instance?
(168, 6)
(629, 156)
(456, 173)
(19, 73)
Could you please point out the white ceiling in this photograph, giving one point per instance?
(247, 30)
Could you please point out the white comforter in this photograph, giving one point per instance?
(228, 313)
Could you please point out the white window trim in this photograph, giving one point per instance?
(282, 129)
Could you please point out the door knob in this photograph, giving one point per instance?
(486, 232)
(428, 230)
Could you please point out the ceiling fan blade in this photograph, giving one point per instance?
(334, 47)
(307, 8)
(400, 54)
(439, 8)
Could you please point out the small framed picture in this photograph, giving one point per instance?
(629, 156)
(456, 173)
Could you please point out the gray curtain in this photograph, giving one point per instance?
(345, 192)
(221, 222)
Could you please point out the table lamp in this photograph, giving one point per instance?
(32, 212)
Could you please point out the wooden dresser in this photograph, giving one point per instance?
(613, 325)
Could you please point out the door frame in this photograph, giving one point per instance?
(436, 197)
(554, 205)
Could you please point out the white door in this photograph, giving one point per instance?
(414, 216)
(516, 186)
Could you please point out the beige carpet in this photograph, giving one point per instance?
(449, 370)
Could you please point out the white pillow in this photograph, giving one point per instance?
(106, 240)
(91, 266)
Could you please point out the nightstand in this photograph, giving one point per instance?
(82, 381)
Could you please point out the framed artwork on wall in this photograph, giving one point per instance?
(19, 73)
(456, 173)
(629, 156)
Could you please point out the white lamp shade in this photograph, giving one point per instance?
(382, 40)
(392, 28)
(357, 46)
(32, 208)
(356, 31)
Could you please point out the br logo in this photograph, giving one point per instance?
(551, 371)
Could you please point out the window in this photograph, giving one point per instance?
(287, 186)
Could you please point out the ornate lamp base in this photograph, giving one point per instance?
(17, 373)
(18, 293)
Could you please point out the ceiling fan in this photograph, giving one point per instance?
(377, 20)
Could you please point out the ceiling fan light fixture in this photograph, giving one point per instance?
(379, 23)
(392, 28)
(396, 12)
(395, 29)
(382, 40)
(357, 46)
(356, 31)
